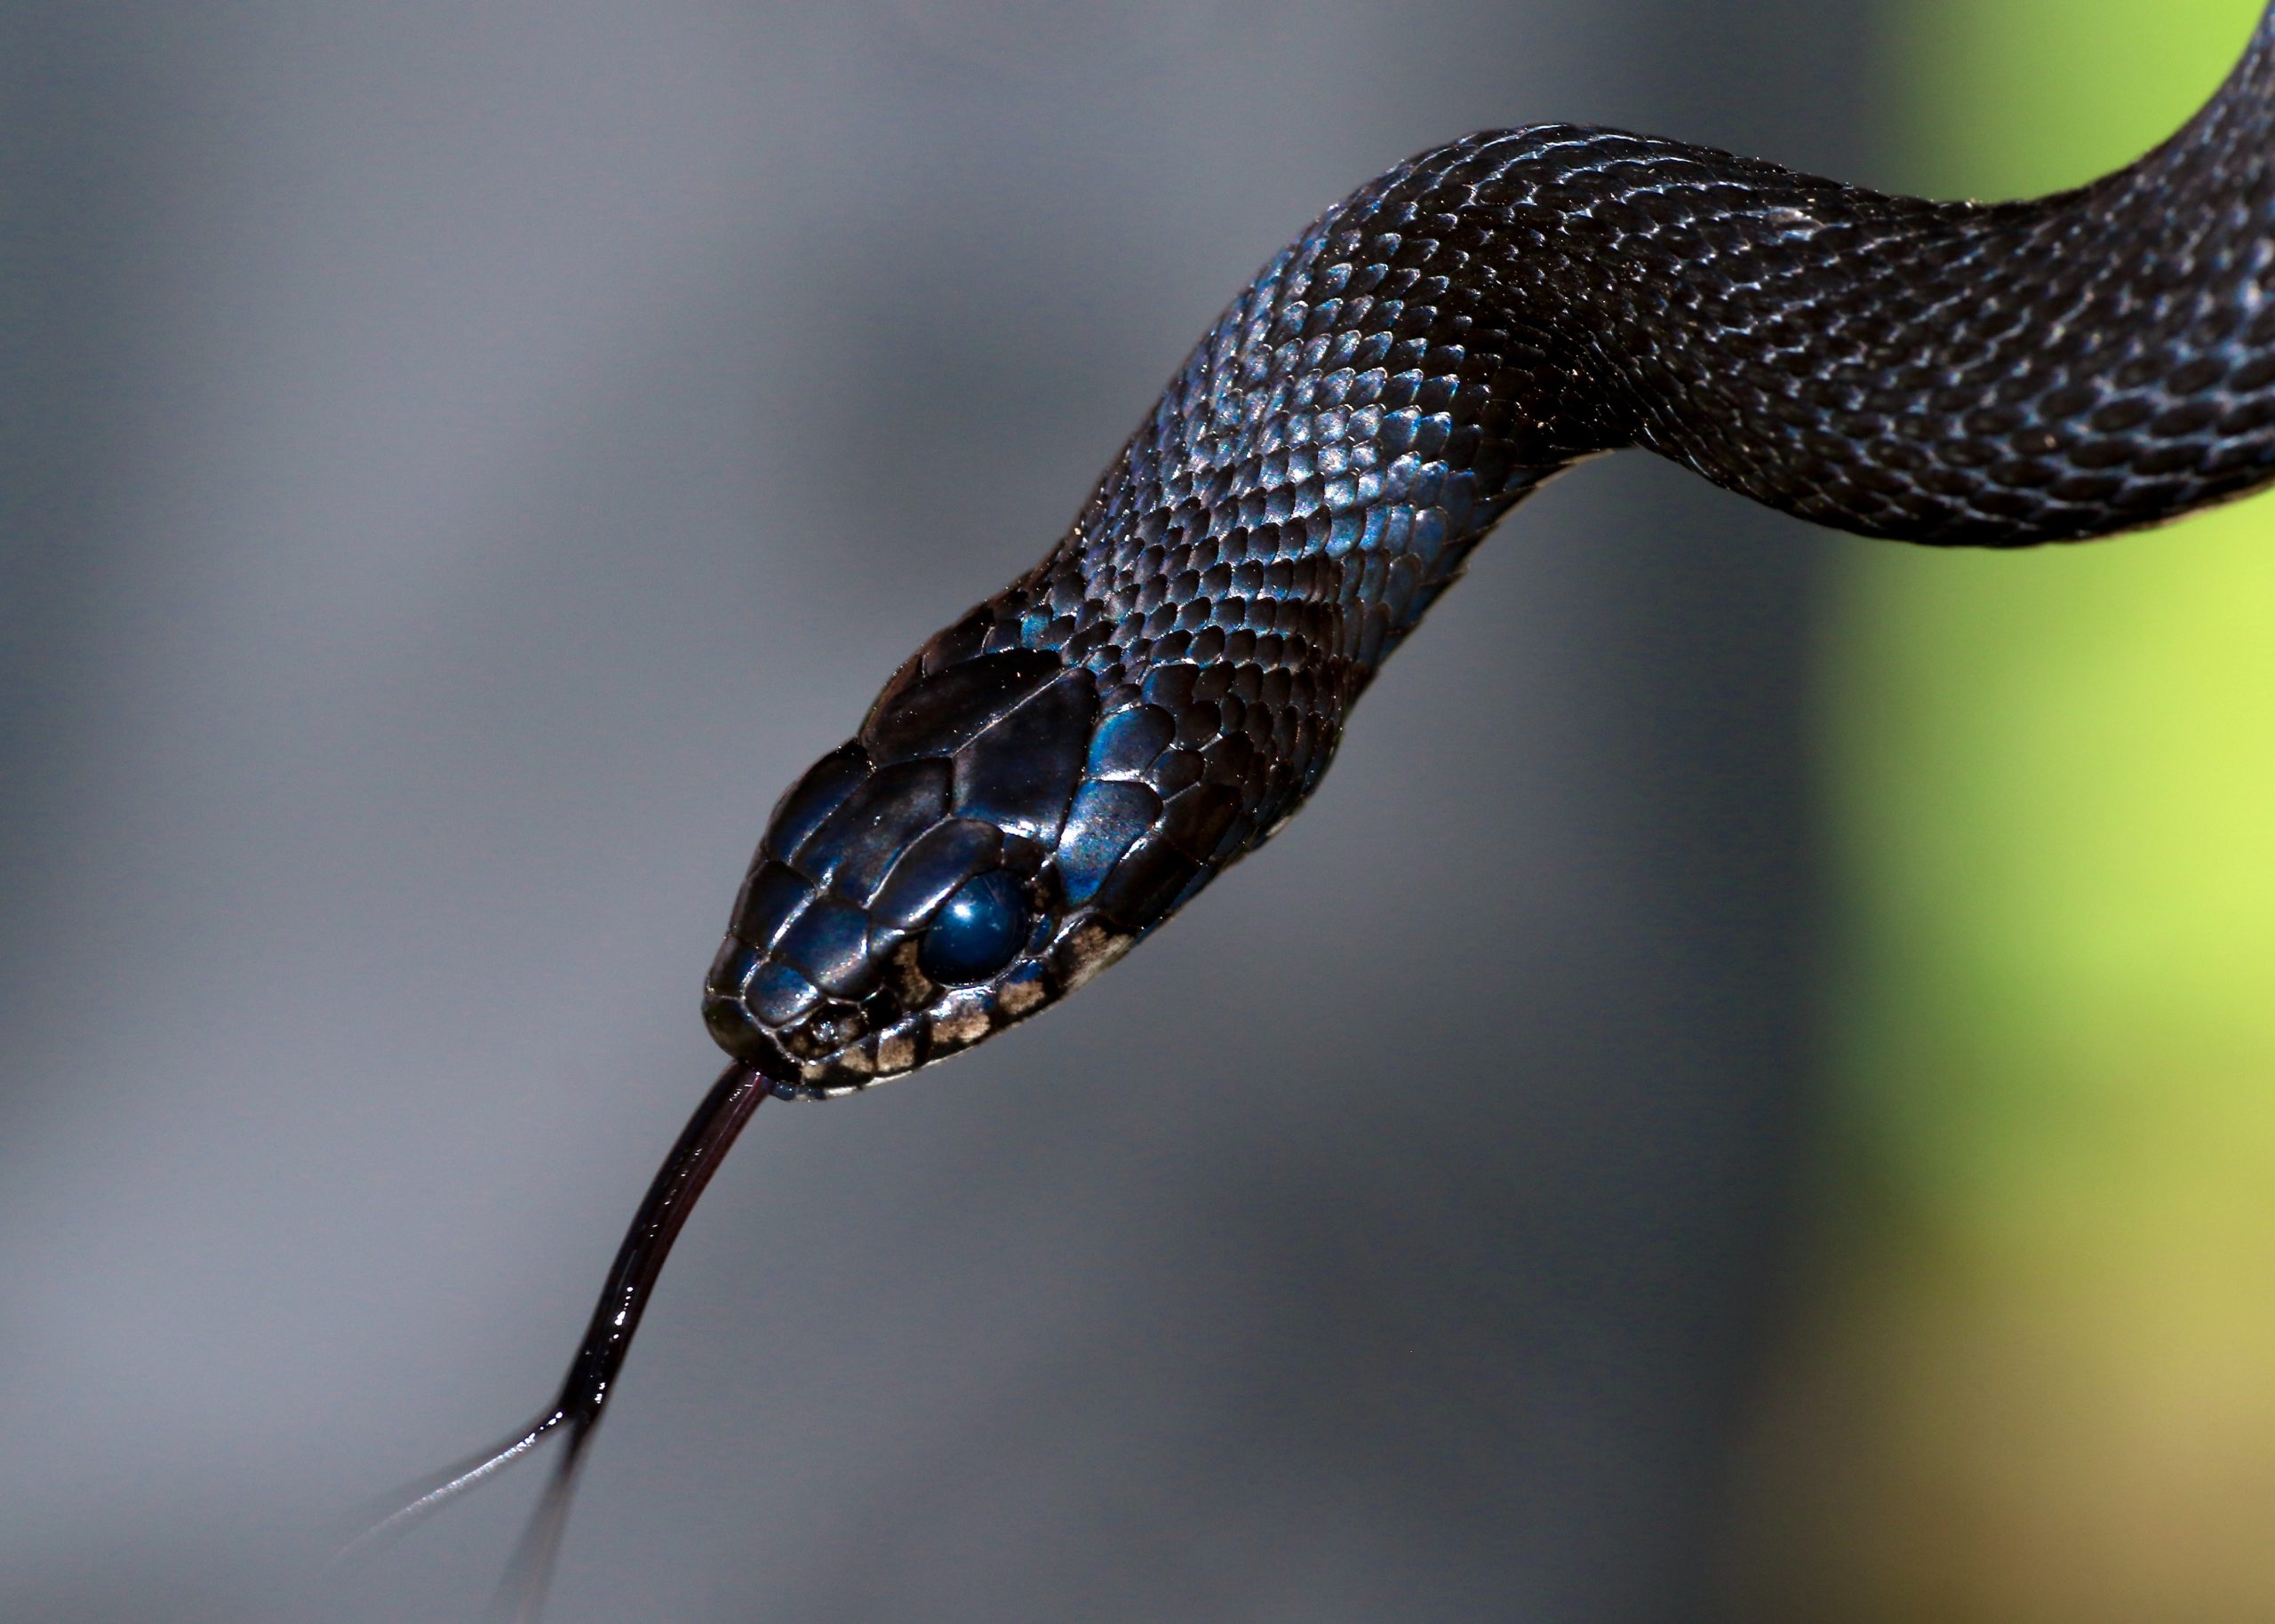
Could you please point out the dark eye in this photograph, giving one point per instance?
(976, 932)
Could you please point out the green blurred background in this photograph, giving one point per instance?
(2035, 1377)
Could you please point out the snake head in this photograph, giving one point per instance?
(990, 839)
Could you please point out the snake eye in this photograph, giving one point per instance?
(976, 932)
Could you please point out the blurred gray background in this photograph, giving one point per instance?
(457, 463)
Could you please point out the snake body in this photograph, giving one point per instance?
(1046, 781)
(1050, 777)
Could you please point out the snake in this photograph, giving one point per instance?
(1050, 778)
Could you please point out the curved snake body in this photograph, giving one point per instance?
(1093, 744)
(1050, 777)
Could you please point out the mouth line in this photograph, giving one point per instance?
(762, 1052)
(952, 1019)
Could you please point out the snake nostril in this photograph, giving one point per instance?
(827, 1030)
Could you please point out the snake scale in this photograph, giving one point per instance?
(1045, 782)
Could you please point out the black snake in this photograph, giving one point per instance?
(1045, 782)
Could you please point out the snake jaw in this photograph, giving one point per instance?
(837, 1050)
(1086, 947)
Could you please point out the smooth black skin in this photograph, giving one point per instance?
(1082, 752)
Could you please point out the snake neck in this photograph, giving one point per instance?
(1449, 336)
(1460, 330)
